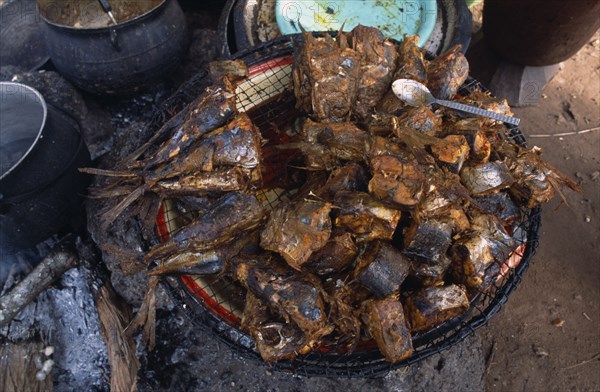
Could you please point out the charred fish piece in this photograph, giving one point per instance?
(256, 312)
(386, 323)
(420, 119)
(297, 297)
(471, 256)
(453, 154)
(486, 178)
(501, 243)
(427, 241)
(431, 274)
(381, 268)
(237, 144)
(213, 109)
(501, 206)
(297, 230)
(366, 218)
(326, 76)
(315, 157)
(446, 73)
(431, 306)
(378, 62)
(345, 140)
(397, 181)
(350, 177)
(345, 299)
(233, 214)
(381, 124)
(442, 190)
(208, 262)
(411, 64)
(280, 341)
(337, 255)
(536, 180)
(275, 341)
(381, 146)
(486, 101)
(227, 180)
(479, 146)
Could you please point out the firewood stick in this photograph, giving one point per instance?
(42, 276)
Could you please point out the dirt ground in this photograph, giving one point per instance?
(547, 337)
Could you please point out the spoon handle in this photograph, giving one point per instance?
(475, 110)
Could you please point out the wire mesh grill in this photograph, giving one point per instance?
(217, 302)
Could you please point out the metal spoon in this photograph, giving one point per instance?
(415, 94)
(108, 9)
(112, 30)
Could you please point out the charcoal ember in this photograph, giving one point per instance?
(486, 178)
(431, 306)
(336, 256)
(350, 177)
(378, 62)
(297, 297)
(381, 268)
(366, 218)
(386, 323)
(396, 180)
(452, 154)
(326, 76)
(501, 206)
(420, 119)
(297, 230)
(446, 73)
(427, 241)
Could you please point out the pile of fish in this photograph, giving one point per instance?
(398, 217)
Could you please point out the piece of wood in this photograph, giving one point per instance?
(115, 314)
(43, 275)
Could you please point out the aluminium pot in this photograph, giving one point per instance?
(41, 149)
(103, 58)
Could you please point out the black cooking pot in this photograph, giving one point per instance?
(41, 150)
(114, 59)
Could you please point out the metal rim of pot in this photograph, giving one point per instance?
(103, 28)
(227, 33)
(44, 106)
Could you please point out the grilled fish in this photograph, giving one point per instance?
(431, 306)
